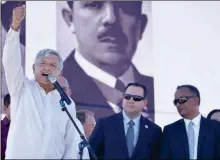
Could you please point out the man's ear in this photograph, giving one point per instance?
(197, 101)
(59, 74)
(143, 24)
(68, 18)
(70, 92)
(145, 103)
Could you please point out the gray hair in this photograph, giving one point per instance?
(44, 52)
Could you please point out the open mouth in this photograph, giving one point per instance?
(45, 74)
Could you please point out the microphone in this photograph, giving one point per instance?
(57, 86)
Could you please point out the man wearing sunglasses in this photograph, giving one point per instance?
(127, 135)
(193, 137)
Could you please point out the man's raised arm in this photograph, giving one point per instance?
(12, 53)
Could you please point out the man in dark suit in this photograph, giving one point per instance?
(193, 137)
(107, 33)
(127, 135)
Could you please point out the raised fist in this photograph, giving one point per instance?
(18, 17)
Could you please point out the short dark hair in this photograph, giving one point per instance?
(70, 4)
(138, 85)
(213, 112)
(7, 100)
(192, 89)
(83, 114)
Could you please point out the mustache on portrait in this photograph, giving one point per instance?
(113, 32)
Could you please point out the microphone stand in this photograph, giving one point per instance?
(84, 142)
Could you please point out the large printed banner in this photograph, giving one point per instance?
(97, 71)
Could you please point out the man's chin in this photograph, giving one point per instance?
(112, 58)
(130, 109)
(44, 82)
(182, 114)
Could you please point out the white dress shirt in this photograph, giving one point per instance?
(196, 127)
(136, 121)
(38, 129)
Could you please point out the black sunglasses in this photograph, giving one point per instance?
(182, 100)
(135, 97)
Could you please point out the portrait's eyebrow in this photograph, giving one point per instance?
(83, 2)
(91, 2)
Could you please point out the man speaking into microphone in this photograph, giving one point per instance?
(39, 129)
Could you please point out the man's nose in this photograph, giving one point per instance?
(47, 67)
(109, 14)
(131, 100)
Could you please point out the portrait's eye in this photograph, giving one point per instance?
(94, 4)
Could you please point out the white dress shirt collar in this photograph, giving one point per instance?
(104, 77)
(136, 126)
(127, 119)
(196, 120)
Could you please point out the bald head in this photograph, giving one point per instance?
(65, 85)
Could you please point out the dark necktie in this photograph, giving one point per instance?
(120, 85)
(191, 138)
(130, 138)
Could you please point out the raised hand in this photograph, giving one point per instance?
(18, 17)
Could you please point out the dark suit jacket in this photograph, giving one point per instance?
(87, 95)
(109, 142)
(175, 143)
